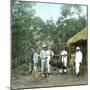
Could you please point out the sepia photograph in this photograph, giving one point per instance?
(49, 44)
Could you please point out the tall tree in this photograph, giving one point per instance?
(67, 24)
(22, 37)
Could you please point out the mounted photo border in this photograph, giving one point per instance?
(8, 45)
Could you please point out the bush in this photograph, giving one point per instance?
(22, 70)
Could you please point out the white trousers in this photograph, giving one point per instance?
(64, 61)
(48, 65)
(77, 66)
(43, 66)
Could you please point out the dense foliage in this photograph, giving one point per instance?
(30, 31)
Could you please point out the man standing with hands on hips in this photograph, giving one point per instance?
(43, 57)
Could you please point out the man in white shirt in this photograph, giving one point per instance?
(64, 61)
(43, 56)
(78, 60)
(49, 56)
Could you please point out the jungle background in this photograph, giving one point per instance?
(29, 31)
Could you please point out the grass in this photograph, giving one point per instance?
(22, 70)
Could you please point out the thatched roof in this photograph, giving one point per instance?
(79, 37)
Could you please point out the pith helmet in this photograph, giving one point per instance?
(77, 48)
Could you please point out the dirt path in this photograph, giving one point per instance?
(55, 79)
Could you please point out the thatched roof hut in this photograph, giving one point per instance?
(79, 38)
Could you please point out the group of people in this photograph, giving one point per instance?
(77, 61)
(46, 55)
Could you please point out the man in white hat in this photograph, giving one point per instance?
(43, 56)
(78, 60)
(64, 56)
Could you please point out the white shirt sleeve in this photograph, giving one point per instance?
(52, 53)
(41, 54)
(62, 53)
(81, 57)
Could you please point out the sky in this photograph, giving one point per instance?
(48, 10)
